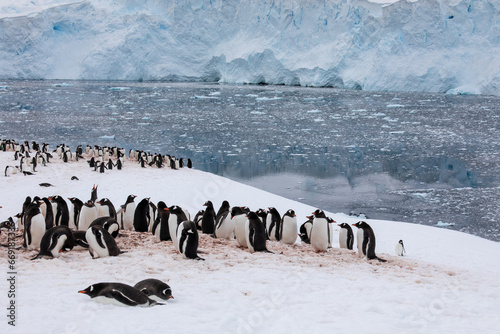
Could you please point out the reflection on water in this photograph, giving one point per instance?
(416, 157)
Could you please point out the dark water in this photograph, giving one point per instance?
(421, 158)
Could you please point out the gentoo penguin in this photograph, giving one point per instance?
(47, 212)
(80, 240)
(76, 207)
(154, 288)
(238, 214)
(224, 225)
(118, 294)
(305, 230)
(187, 239)
(330, 230)
(22, 218)
(101, 243)
(54, 241)
(142, 216)
(208, 220)
(109, 224)
(105, 208)
(93, 194)
(126, 214)
(197, 219)
(256, 233)
(320, 232)
(400, 248)
(177, 216)
(289, 228)
(61, 212)
(160, 227)
(346, 237)
(152, 215)
(368, 242)
(273, 224)
(34, 227)
(189, 163)
(88, 214)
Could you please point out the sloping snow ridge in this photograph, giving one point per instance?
(446, 283)
(426, 45)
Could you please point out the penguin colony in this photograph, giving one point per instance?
(52, 227)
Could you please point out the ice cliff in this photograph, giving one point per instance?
(427, 45)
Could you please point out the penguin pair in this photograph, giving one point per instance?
(145, 293)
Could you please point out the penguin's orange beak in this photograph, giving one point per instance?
(338, 224)
(353, 224)
(166, 209)
(81, 291)
(171, 297)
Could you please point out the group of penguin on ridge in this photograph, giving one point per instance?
(51, 227)
(31, 155)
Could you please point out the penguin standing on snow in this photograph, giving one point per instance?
(208, 220)
(160, 227)
(320, 232)
(142, 216)
(187, 239)
(61, 213)
(346, 237)
(177, 216)
(256, 233)
(152, 288)
(118, 294)
(305, 230)
(106, 208)
(54, 241)
(400, 248)
(47, 212)
(273, 224)
(88, 214)
(224, 225)
(368, 242)
(76, 207)
(238, 214)
(126, 213)
(288, 233)
(34, 227)
(101, 243)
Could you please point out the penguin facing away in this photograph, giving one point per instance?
(61, 214)
(119, 294)
(368, 243)
(75, 212)
(154, 289)
(101, 243)
(256, 233)
(208, 220)
(160, 228)
(346, 236)
(400, 248)
(187, 239)
(142, 216)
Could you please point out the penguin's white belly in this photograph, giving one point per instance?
(87, 216)
(226, 228)
(343, 238)
(319, 235)
(37, 231)
(60, 243)
(157, 232)
(247, 236)
(239, 230)
(94, 247)
(399, 249)
(289, 230)
(128, 217)
(173, 228)
(359, 241)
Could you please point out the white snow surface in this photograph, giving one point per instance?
(447, 283)
(408, 45)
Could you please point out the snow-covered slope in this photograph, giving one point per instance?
(425, 45)
(447, 283)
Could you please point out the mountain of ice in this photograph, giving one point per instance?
(426, 45)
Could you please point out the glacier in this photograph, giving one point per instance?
(445, 46)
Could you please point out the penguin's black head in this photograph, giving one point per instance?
(290, 213)
(92, 291)
(208, 204)
(167, 294)
(252, 215)
(161, 205)
(319, 213)
(360, 224)
(400, 242)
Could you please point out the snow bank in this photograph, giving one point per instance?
(426, 45)
(448, 282)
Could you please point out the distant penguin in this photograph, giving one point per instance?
(256, 233)
(155, 289)
(61, 212)
(305, 230)
(106, 208)
(34, 227)
(109, 224)
(93, 194)
(273, 224)
(189, 163)
(101, 243)
(142, 216)
(118, 294)
(238, 214)
(177, 216)
(74, 216)
(288, 233)
(187, 240)
(54, 241)
(88, 214)
(346, 237)
(368, 242)
(208, 220)
(126, 214)
(160, 227)
(320, 232)
(224, 225)
(400, 248)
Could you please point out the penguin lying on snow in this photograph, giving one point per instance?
(118, 294)
(154, 288)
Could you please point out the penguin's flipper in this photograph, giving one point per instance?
(146, 291)
(121, 297)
